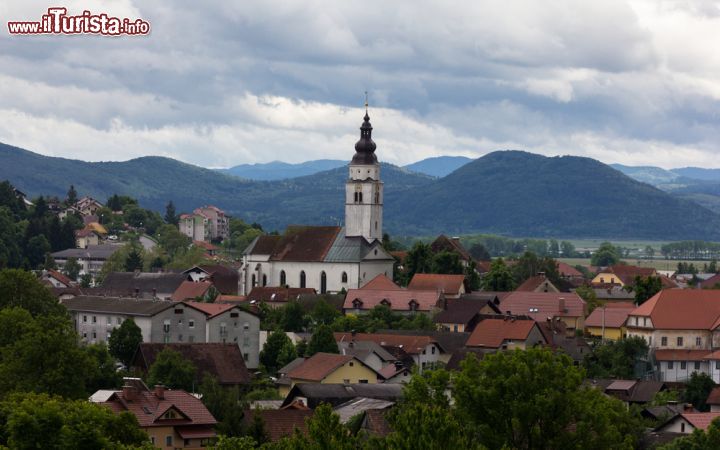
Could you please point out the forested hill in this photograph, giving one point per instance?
(511, 193)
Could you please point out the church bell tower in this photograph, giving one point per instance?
(363, 189)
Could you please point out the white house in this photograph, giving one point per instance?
(329, 258)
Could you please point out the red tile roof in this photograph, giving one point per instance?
(411, 344)
(190, 290)
(304, 243)
(397, 299)
(148, 408)
(319, 366)
(265, 244)
(277, 294)
(627, 273)
(447, 284)
(60, 277)
(710, 282)
(547, 304)
(682, 309)
(615, 315)
(700, 421)
(444, 243)
(714, 396)
(533, 283)
(206, 245)
(681, 355)
(568, 271)
(491, 333)
(279, 423)
(381, 282)
(211, 309)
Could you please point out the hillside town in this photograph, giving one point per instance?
(197, 330)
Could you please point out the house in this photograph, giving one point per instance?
(330, 368)
(381, 282)
(681, 329)
(608, 321)
(622, 275)
(279, 423)
(224, 362)
(88, 206)
(314, 394)
(541, 306)
(202, 291)
(713, 400)
(211, 250)
(86, 237)
(55, 279)
(206, 223)
(568, 272)
(506, 333)
(370, 353)
(711, 283)
(141, 284)
(91, 259)
(396, 373)
(172, 418)
(452, 245)
(463, 314)
(613, 294)
(224, 278)
(277, 296)
(537, 283)
(451, 286)
(631, 391)
(360, 405)
(687, 422)
(664, 412)
(424, 350)
(402, 301)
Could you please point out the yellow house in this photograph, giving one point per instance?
(622, 275)
(329, 368)
(608, 321)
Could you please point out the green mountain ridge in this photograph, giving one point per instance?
(509, 192)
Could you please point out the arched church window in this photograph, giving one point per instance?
(283, 278)
(323, 282)
(252, 283)
(359, 197)
(302, 278)
(344, 277)
(264, 280)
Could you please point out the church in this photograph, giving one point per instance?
(329, 258)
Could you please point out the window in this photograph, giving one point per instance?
(234, 314)
(697, 365)
(283, 278)
(84, 318)
(362, 381)
(191, 338)
(682, 427)
(683, 365)
(671, 364)
(663, 341)
(191, 323)
(178, 310)
(168, 441)
(698, 341)
(264, 280)
(246, 326)
(302, 278)
(717, 365)
(359, 197)
(180, 337)
(346, 381)
(351, 364)
(166, 326)
(246, 356)
(223, 329)
(179, 322)
(187, 442)
(679, 341)
(644, 321)
(152, 440)
(246, 341)
(323, 282)
(119, 320)
(109, 320)
(343, 279)
(94, 319)
(432, 350)
(94, 335)
(84, 335)
(253, 281)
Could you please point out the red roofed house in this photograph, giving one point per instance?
(453, 245)
(538, 283)
(451, 286)
(56, 279)
(190, 290)
(622, 275)
(506, 333)
(608, 321)
(280, 423)
(686, 423)
(205, 224)
(681, 329)
(330, 368)
(424, 350)
(86, 236)
(382, 291)
(172, 418)
(543, 306)
(568, 272)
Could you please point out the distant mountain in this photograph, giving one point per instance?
(512, 193)
(524, 194)
(278, 170)
(698, 173)
(438, 166)
(647, 174)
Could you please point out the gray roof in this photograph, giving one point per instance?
(337, 394)
(351, 249)
(103, 251)
(125, 283)
(361, 349)
(291, 365)
(115, 305)
(614, 293)
(348, 410)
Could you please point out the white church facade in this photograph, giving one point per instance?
(329, 258)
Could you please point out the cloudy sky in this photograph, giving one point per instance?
(219, 83)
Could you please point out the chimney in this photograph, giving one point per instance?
(398, 365)
(561, 305)
(541, 274)
(159, 391)
(129, 392)
(687, 407)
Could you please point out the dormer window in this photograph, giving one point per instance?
(357, 303)
(385, 302)
(413, 305)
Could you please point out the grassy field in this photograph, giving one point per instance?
(658, 264)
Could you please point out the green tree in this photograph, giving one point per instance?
(499, 277)
(645, 288)
(472, 278)
(72, 197)
(697, 390)
(172, 370)
(479, 252)
(103, 374)
(37, 248)
(418, 260)
(124, 341)
(172, 240)
(324, 432)
(85, 280)
(72, 268)
(649, 251)
(591, 300)
(616, 359)
(19, 288)
(323, 312)
(567, 249)
(270, 355)
(447, 262)
(234, 443)
(134, 260)
(225, 404)
(171, 216)
(322, 340)
(536, 399)
(606, 255)
(293, 316)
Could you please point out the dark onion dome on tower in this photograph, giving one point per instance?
(365, 147)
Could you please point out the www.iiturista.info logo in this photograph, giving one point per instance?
(57, 21)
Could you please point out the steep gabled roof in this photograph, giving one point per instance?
(396, 299)
(304, 243)
(190, 290)
(612, 315)
(444, 243)
(627, 273)
(280, 423)
(211, 309)
(447, 284)
(460, 311)
(412, 344)
(568, 271)
(148, 408)
(126, 283)
(277, 294)
(319, 366)
(682, 309)
(491, 333)
(541, 305)
(115, 305)
(380, 282)
(537, 282)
